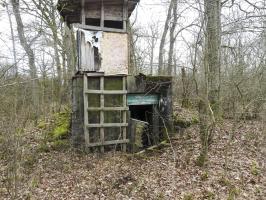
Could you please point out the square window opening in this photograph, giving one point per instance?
(93, 22)
(113, 24)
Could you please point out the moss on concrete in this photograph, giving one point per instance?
(56, 127)
(184, 117)
(159, 78)
(140, 128)
(61, 126)
(113, 83)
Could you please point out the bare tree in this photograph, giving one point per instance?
(31, 57)
(152, 40)
(163, 39)
(13, 38)
(172, 39)
(212, 51)
(209, 102)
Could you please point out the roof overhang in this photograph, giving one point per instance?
(72, 8)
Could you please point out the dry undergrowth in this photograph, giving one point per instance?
(235, 169)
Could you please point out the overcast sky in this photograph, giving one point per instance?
(146, 13)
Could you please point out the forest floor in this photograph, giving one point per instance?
(235, 169)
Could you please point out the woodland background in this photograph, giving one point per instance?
(216, 52)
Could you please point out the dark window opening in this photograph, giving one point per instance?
(113, 24)
(93, 22)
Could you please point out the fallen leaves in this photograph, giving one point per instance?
(69, 175)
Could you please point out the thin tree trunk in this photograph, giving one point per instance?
(54, 30)
(185, 100)
(31, 57)
(13, 41)
(133, 63)
(152, 55)
(213, 42)
(209, 105)
(162, 43)
(172, 39)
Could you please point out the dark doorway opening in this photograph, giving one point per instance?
(144, 113)
(141, 112)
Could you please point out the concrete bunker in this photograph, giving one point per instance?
(110, 107)
(150, 103)
(118, 110)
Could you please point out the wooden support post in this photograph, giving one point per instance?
(85, 95)
(155, 121)
(125, 15)
(102, 15)
(83, 18)
(102, 114)
(124, 114)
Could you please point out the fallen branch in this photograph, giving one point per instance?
(162, 144)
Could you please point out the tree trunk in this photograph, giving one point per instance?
(212, 53)
(152, 55)
(185, 96)
(162, 43)
(209, 105)
(31, 57)
(13, 41)
(133, 61)
(172, 39)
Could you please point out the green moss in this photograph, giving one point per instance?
(195, 119)
(1, 139)
(113, 83)
(42, 125)
(30, 160)
(60, 145)
(223, 181)
(60, 131)
(258, 191)
(160, 196)
(55, 128)
(208, 195)
(113, 100)
(188, 197)
(112, 116)
(204, 176)
(233, 193)
(140, 128)
(43, 148)
(185, 118)
(35, 182)
(61, 126)
(93, 83)
(159, 78)
(254, 169)
(94, 100)
(201, 160)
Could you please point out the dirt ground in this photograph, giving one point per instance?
(235, 169)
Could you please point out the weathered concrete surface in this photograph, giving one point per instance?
(77, 118)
